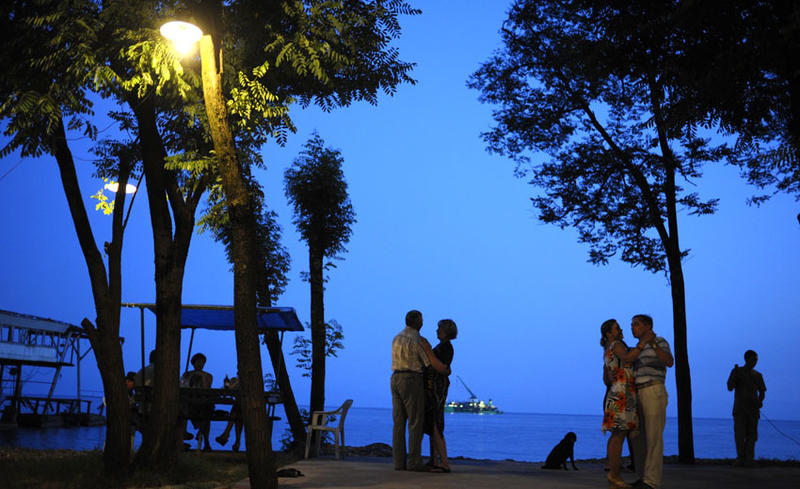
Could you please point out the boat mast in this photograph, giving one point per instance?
(471, 394)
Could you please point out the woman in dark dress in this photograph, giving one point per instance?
(436, 386)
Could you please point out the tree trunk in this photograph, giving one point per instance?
(317, 402)
(260, 459)
(106, 292)
(162, 435)
(683, 381)
(671, 244)
(117, 453)
(296, 423)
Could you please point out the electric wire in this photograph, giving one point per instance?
(777, 429)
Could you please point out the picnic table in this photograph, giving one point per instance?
(193, 397)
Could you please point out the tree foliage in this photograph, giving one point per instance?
(316, 188)
(740, 70)
(48, 63)
(334, 342)
(575, 110)
(272, 258)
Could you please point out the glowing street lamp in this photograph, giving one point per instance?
(182, 34)
(114, 187)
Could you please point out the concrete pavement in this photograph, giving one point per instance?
(378, 473)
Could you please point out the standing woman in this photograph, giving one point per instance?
(436, 386)
(619, 415)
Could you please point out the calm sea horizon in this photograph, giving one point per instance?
(516, 436)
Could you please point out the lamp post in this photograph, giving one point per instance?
(260, 458)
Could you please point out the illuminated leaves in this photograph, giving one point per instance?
(102, 199)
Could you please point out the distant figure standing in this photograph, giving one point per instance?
(747, 401)
(411, 353)
(650, 372)
(436, 387)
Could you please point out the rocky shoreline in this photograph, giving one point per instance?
(384, 450)
(374, 450)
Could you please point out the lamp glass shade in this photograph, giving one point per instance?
(114, 186)
(182, 34)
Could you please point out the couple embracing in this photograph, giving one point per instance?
(635, 405)
(419, 388)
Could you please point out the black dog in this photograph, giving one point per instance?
(561, 452)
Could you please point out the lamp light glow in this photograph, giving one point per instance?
(114, 187)
(182, 34)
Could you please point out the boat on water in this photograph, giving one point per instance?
(474, 405)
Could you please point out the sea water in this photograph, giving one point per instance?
(516, 436)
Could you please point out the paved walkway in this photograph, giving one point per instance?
(378, 473)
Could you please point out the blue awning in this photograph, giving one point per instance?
(221, 317)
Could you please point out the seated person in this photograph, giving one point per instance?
(199, 413)
(235, 419)
(137, 413)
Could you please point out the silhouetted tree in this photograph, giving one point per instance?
(583, 108)
(48, 64)
(316, 187)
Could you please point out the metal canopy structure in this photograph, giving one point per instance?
(36, 341)
(221, 318)
(33, 341)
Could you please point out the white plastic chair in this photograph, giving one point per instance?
(319, 420)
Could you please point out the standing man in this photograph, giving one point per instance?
(411, 353)
(650, 371)
(747, 401)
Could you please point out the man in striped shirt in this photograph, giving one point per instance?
(650, 371)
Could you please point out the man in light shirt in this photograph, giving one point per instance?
(411, 353)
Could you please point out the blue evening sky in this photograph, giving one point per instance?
(446, 228)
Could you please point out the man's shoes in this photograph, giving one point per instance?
(640, 484)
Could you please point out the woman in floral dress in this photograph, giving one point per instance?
(619, 415)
